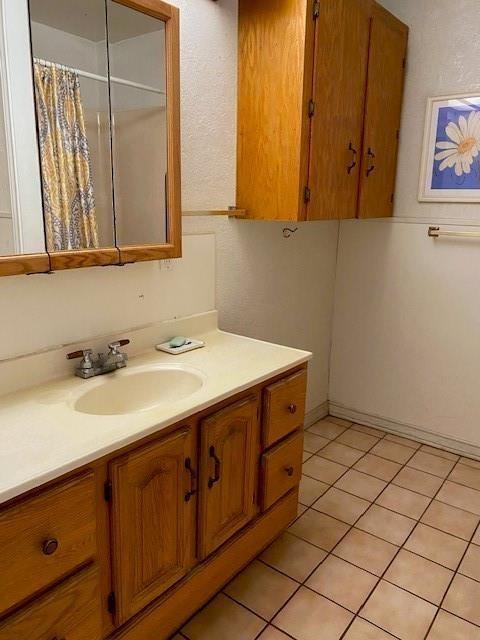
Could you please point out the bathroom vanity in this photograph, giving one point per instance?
(126, 533)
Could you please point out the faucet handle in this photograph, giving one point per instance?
(82, 353)
(115, 346)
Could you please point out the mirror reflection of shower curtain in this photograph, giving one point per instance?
(67, 184)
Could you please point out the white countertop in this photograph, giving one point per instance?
(43, 437)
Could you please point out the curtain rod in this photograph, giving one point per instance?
(94, 76)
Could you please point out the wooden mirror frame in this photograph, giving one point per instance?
(119, 255)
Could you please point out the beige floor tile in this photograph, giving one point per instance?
(371, 431)
(468, 476)
(403, 501)
(448, 627)
(470, 566)
(262, 589)
(451, 520)
(361, 485)
(293, 556)
(390, 526)
(378, 467)
(358, 440)
(341, 505)
(461, 497)
(431, 464)
(319, 529)
(363, 630)
(476, 537)
(470, 462)
(392, 451)
(221, 619)
(419, 576)
(342, 582)
(340, 421)
(313, 443)
(326, 429)
(418, 481)
(306, 455)
(407, 442)
(366, 551)
(311, 490)
(307, 613)
(439, 452)
(341, 453)
(399, 612)
(437, 546)
(271, 633)
(323, 470)
(463, 599)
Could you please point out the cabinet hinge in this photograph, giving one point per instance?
(392, 198)
(107, 491)
(404, 63)
(307, 194)
(316, 9)
(111, 602)
(311, 108)
(398, 134)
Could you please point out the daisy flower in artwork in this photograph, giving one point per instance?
(463, 146)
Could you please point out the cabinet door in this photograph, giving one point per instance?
(153, 520)
(386, 70)
(341, 59)
(229, 465)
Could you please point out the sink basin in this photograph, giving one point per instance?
(140, 389)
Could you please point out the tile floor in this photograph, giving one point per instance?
(386, 545)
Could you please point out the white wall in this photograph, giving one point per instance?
(41, 311)
(406, 341)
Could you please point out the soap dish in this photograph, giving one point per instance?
(190, 345)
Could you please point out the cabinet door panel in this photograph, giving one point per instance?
(229, 460)
(153, 520)
(341, 59)
(386, 69)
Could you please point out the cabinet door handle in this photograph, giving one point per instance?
(49, 546)
(370, 164)
(193, 479)
(289, 471)
(354, 158)
(216, 477)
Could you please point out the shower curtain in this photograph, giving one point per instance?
(68, 194)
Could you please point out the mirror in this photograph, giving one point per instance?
(70, 74)
(89, 133)
(136, 46)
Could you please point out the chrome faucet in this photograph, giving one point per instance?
(96, 365)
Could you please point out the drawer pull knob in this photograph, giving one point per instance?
(49, 547)
(292, 408)
(289, 471)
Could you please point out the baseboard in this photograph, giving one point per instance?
(316, 414)
(408, 431)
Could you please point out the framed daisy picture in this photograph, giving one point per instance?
(450, 170)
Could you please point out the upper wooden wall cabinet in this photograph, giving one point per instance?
(319, 105)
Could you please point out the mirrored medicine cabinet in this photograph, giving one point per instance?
(89, 133)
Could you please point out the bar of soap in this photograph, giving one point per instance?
(177, 342)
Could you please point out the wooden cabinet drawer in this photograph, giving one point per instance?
(284, 407)
(45, 537)
(281, 469)
(72, 611)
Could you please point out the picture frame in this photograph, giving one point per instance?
(450, 166)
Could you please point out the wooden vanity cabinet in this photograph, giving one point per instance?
(310, 108)
(145, 536)
(230, 449)
(153, 520)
